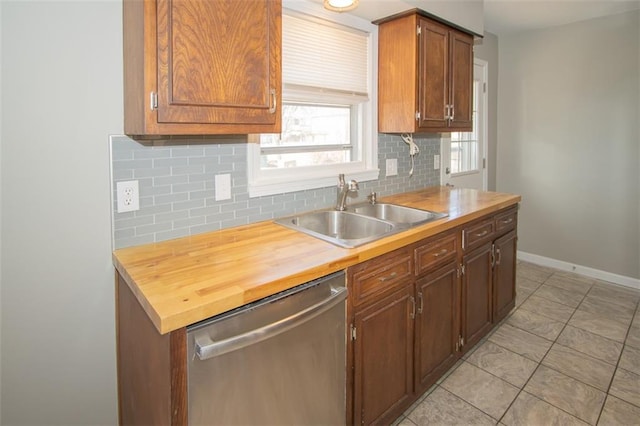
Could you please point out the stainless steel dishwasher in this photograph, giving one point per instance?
(277, 361)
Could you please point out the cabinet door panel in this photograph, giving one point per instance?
(504, 284)
(477, 295)
(216, 62)
(436, 325)
(433, 74)
(461, 80)
(383, 353)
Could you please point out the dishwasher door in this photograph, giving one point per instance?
(278, 361)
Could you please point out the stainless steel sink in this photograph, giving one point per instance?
(397, 214)
(361, 224)
(345, 229)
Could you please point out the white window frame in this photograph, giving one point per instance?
(278, 181)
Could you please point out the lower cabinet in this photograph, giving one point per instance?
(476, 295)
(504, 276)
(436, 335)
(415, 311)
(383, 351)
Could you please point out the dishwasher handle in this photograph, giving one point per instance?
(206, 348)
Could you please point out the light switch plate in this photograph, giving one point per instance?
(392, 167)
(223, 187)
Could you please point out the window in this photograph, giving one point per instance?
(464, 145)
(327, 114)
(312, 135)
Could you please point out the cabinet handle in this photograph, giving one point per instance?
(440, 253)
(507, 221)
(498, 255)
(447, 113)
(421, 306)
(482, 234)
(413, 307)
(274, 101)
(389, 277)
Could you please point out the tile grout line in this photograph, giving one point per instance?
(637, 309)
(624, 345)
(540, 362)
(606, 393)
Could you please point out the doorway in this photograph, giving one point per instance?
(464, 154)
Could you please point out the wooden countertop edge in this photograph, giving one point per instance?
(169, 323)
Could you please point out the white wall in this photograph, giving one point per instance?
(568, 140)
(61, 98)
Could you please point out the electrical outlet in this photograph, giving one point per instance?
(223, 187)
(128, 196)
(392, 167)
(436, 162)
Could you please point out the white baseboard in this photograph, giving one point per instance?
(578, 269)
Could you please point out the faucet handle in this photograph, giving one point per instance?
(353, 185)
(372, 197)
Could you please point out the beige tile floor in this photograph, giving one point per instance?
(569, 353)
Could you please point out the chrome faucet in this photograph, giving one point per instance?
(343, 190)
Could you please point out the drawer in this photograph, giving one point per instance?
(507, 220)
(478, 233)
(380, 275)
(435, 252)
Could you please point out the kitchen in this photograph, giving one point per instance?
(66, 290)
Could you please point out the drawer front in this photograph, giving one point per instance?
(383, 274)
(478, 233)
(507, 220)
(434, 253)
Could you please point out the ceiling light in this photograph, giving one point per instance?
(340, 5)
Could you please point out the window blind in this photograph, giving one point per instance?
(324, 57)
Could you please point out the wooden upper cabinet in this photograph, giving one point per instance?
(433, 75)
(202, 67)
(461, 92)
(425, 76)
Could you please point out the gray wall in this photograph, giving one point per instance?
(487, 49)
(568, 140)
(177, 196)
(61, 98)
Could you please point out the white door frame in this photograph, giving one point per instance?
(445, 142)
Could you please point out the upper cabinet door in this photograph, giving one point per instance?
(425, 76)
(202, 67)
(433, 69)
(461, 80)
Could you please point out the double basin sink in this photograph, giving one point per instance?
(360, 223)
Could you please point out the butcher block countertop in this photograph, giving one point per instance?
(186, 280)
